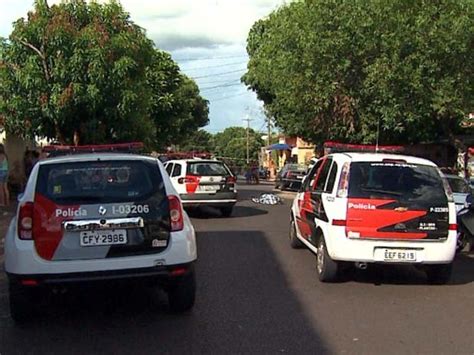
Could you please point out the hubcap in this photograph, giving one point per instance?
(320, 257)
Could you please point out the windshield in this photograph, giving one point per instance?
(458, 185)
(208, 169)
(99, 182)
(399, 181)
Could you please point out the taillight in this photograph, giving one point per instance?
(188, 179)
(453, 226)
(231, 180)
(343, 188)
(176, 213)
(25, 221)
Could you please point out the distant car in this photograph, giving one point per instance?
(461, 190)
(96, 218)
(201, 182)
(290, 177)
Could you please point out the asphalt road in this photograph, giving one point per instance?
(257, 295)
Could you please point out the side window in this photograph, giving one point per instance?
(169, 168)
(321, 182)
(332, 178)
(176, 170)
(311, 176)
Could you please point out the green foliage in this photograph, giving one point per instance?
(337, 70)
(232, 143)
(84, 72)
(199, 141)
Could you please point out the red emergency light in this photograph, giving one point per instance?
(54, 150)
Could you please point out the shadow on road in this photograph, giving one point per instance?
(463, 273)
(244, 305)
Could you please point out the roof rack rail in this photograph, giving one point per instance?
(58, 150)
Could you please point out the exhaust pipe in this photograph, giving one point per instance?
(361, 265)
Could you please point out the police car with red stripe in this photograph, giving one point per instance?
(362, 208)
(204, 182)
(97, 217)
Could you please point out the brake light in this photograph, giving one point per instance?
(231, 180)
(453, 227)
(188, 179)
(25, 221)
(176, 213)
(343, 188)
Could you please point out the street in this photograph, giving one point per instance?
(257, 295)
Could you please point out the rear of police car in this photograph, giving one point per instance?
(95, 218)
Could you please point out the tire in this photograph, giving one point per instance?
(22, 303)
(439, 274)
(326, 268)
(227, 211)
(182, 293)
(294, 241)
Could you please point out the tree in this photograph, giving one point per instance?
(344, 70)
(199, 141)
(83, 72)
(232, 143)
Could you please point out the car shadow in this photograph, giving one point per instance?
(244, 305)
(379, 274)
(207, 212)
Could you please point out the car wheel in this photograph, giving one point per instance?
(22, 303)
(326, 267)
(227, 211)
(182, 293)
(294, 241)
(439, 274)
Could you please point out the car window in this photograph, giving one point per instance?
(331, 178)
(99, 181)
(176, 170)
(208, 169)
(415, 183)
(309, 181)
(169, 168)
(458, 185)
(321, 179)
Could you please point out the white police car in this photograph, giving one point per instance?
(99, 217)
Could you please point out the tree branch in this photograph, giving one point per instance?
(40, 54)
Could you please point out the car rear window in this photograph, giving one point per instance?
(399, 181)
(458, 185)
(99, 181)
(207, 169)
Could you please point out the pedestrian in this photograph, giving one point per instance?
(5, 200)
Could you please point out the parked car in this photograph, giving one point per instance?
(204, 183)
(96, 218)
(357, 209)
(460, 188)
(290, 177)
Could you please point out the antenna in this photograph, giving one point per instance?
(378, 132)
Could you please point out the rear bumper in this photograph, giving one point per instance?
(160, 274)
(428, 252)
(218, 199)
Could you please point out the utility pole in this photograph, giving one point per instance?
(248, 119)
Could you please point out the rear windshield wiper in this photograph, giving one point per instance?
(80, 197)
(384, 192)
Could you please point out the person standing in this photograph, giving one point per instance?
(5, 201)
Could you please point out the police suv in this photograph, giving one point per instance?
(95, 217)
(360, 208)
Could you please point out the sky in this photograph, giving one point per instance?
(207, 38)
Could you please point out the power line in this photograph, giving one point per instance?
(220, 86)
(227, 97)
(209, 58)
(217, 74)
(213, 66)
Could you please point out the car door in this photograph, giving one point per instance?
(305, 217)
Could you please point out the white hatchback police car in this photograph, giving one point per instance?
(375, 208)
(95, 218)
